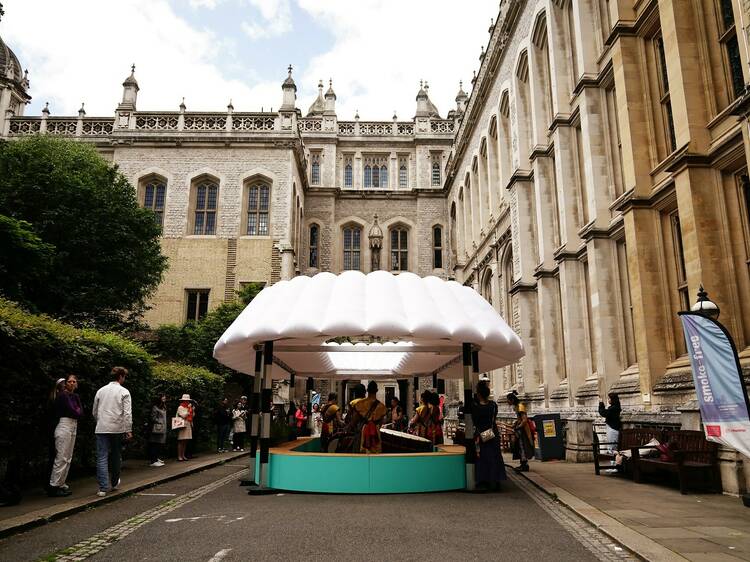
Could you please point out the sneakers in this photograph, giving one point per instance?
(55, 492)
(157, 463)
(101, 493)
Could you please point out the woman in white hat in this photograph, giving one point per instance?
(185, 434)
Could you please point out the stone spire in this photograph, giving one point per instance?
(129, 91)
(290, 92)
(461, 98)
(330, 102)
(422, 100)
(319, 105)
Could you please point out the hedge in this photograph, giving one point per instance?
(203, 386)
(37, 350)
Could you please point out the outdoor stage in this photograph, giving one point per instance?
(299, 466)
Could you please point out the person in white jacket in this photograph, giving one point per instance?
(114, 421)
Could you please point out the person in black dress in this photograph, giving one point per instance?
(489, 467)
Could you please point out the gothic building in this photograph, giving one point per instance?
(591, 180)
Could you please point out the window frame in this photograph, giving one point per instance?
(313, 256)
(315, 168)
(200, 307)
(156, 182)
(401, 253)
(665, 99)
(205, 211)
(257, 211)
(354, 252)
(435, 179)
(727, 37)
(437, 249)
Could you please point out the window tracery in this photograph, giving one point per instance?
(206, 199)
(399, 236)
(258, 206)
(352, 251)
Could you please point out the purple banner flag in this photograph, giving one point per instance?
(718, 382)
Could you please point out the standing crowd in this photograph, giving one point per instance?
(112, 412)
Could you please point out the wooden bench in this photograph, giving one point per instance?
(628, 439)
(695, 459)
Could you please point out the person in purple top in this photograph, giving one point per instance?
(69, 410)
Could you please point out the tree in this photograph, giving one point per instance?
(2, 12)
(107, 259)
(24, 258)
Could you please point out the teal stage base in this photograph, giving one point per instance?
(299, 466)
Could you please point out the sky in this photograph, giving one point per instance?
(210, 51)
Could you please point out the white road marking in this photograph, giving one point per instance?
(220, 555)
(144, 494)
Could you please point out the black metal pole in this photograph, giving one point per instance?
(265, 420)
(470, 453)
(255, 417)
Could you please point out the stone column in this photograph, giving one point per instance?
(524, 287)
(287, 261)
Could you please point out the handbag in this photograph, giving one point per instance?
(487, 435)
(178, 422)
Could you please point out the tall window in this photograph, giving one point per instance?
(352, 241)
(375, 176)
(679, 258)
(591, 336)
(206, 196)
(399, 249)
(154, 193)
(348, 173)
(728, 40)
(368, 176)
(197, 303)
(664, 99)
(403, 173)
(435, 174)
(258, 204)
(315, 169)
(581, 173)
(437, 247)
(627, 305)
(314, 233)
(383, 176)
(615, 141)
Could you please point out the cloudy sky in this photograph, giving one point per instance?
(209, 51)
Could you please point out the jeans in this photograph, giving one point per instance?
(222, 436)
(108, 460)
(239, 440)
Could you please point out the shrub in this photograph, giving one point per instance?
(36, 350)
(203, 386)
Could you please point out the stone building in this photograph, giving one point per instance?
(592, 179)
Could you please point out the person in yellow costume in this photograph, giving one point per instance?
(369, 414)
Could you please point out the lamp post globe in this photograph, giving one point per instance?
(705, 306)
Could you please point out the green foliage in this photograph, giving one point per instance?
(24, 258)
(203, 386)
(193, 343)
(107, 257)
(36, 351)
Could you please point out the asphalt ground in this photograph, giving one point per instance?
(211, 520)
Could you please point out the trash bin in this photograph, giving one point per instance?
(549, 438)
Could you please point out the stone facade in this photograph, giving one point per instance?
(593, 179)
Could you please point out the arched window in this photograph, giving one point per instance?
(403, 176)
(437, 247)
(205, 201)
(436, 174)
(399, 249)
(375, 176)
(154, 194)
(368, 176)
(383, 176)
(314, 233)
(352, 240)
(258, 204)
(348, 175)
(487, 287)
(315, 174)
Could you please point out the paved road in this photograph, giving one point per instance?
(208, 517)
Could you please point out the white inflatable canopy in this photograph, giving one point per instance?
(424, 321)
